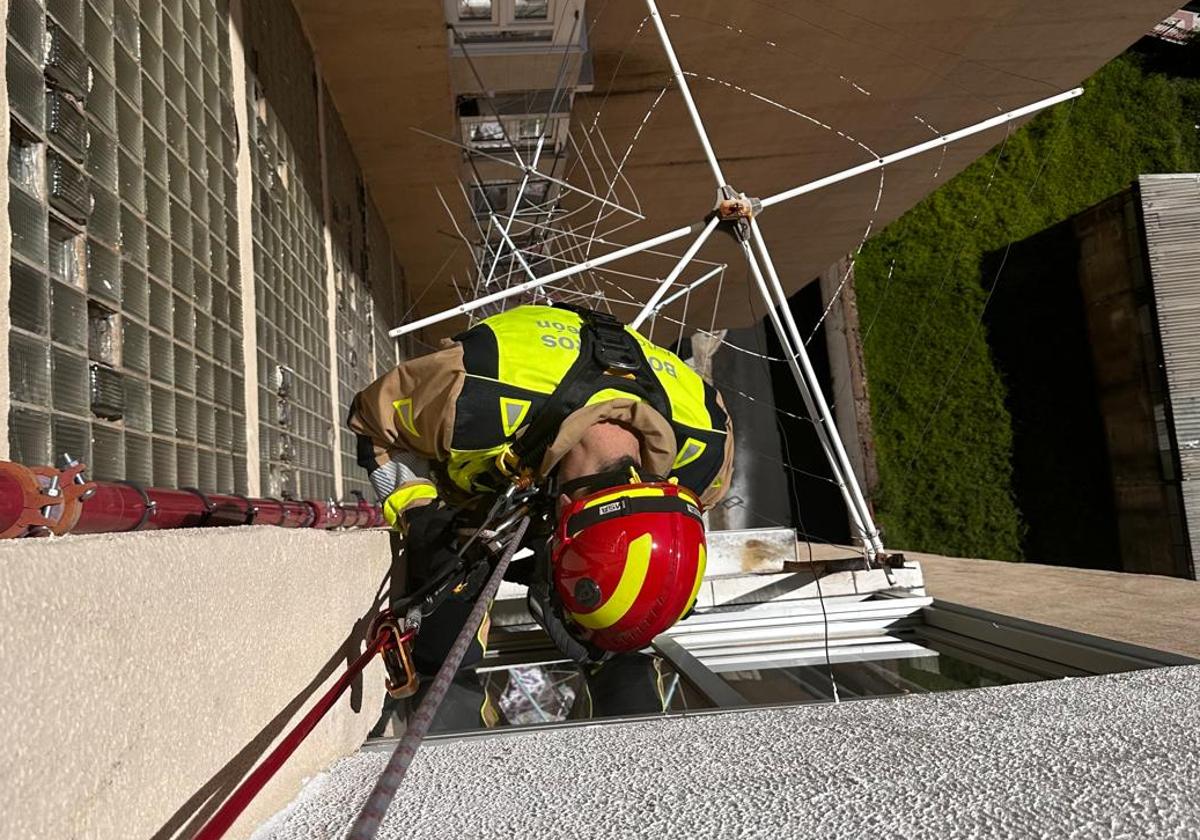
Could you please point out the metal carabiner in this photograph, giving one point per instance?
(396, 649)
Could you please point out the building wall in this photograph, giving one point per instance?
(1131, 386)
(156, 669)
(128, 346)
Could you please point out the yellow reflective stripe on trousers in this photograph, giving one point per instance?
(403, 496)
(637, 564)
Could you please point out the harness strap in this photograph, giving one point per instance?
(608, 357)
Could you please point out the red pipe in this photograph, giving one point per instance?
(115, 507)
(12, 501)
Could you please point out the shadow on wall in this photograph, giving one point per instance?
(201, 806)
(1038, 335)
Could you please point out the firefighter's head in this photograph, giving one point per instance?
(628, 552)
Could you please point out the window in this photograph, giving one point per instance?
(531, 9)
(474, 10)
(530, 129)
(489, 134)
(535, 195)
(490, 198)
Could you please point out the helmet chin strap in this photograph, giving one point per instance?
(603, 480)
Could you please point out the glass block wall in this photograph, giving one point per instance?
(355, 307)
(126, 341)
(296, 426)
(126, 347)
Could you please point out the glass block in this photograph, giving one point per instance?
(162, 358)
(129, 128)
(162, 410)
(186, 473)
(184, 321)
(185, 369)
(164, 463)
(105, 221)
(66, 126)
(158, 255)
(27, 26)
(128, 76)
(139, 462)
(137, 404)
(69, 381)
(104, 271)
(206, 471)
(67, 187)
(69, 15)
(181, 271)
(98, 41)
(68, 316)
(108, 453)
(67, 257)
(133, 237)
(135, 346)
(102, 157)
(158, 209)
(29, 300)
(29, 436)
(28, 219)
(102, 103)
(70, 436)
(131, 177)
(185, 417)
(29, 370)
(125, 26)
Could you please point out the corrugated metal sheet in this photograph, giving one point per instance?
(1171, 211)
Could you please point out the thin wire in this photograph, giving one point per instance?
(967, 343)
(787, 454)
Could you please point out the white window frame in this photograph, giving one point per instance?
(504, 16)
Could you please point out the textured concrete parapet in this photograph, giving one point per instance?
(145, 674)
(1102, 757)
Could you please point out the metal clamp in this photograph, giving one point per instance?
(53, 498)
(396, 649)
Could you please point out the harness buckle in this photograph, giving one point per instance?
(614, 348)
(402, 678)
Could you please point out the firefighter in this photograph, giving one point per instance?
(633, 443)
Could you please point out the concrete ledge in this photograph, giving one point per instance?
(1149, 610)
(145, 674)
(1102, 757)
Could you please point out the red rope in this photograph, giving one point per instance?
(249, 788)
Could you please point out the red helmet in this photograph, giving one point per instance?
(628, 561)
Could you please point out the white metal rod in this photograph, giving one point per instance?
(670, 279)
(537, 154)
(516, 251)
(823, 416)
(695, 284)
(936, 143)
(685, 90)
(570, 271)
(526, 170)
(790, 354)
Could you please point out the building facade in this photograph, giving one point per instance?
(199, 279)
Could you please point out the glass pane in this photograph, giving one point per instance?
(530, 695)
(885, 677)
(530, 129)
(474, 9)
(492, 198)
(535, 194)
(532, 9)
(487, 135)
